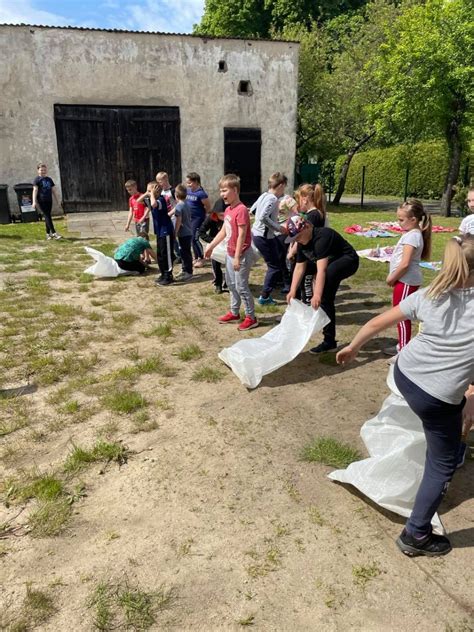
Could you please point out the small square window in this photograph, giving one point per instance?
(222, 66)
(245, 87)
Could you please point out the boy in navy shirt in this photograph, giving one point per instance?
(43, 191)
(198, 201)
(163, 227)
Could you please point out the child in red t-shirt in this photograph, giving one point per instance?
(240, 257)
(137, 210)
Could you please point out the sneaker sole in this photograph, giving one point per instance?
(411, 551)
(228, 322)
(334, 349)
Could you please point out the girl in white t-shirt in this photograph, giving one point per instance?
(467, 225)
(405, 273)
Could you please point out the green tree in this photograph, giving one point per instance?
(267, 18)
(427, 65)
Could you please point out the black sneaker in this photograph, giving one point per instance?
(431, 545)
(324, 346)
(218, 289)
(165, 281)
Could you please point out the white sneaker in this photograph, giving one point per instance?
(56, 236)
(48, 237)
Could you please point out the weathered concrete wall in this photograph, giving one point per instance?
(43, 66)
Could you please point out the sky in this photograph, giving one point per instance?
(167, 16)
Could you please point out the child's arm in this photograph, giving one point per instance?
(265, 217)
(179, 221)
(149, 252)
(203, 230)
(55, 195)
(35, 195)
(216, 241)
(242, 228)
(298, 275)
(368, 331)
(153, 200)
(407, 256)
(129, 218)
(142, 197)
(207, 206)
(319, 281)
(292, 249)
(468, 412)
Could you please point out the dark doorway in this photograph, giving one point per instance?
(242, 155)
(101, 147)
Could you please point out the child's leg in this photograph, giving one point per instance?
(242, 283)
(131, 266)
(442, 425)
(46, 208)
(231, 275)
(217, 271)
(161, 254)
(336, 271)
(197, 247)
(186, 256)
(269, 250)
(401, 291)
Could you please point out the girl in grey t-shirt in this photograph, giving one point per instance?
(433, 372)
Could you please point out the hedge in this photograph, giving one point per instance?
(385, 170)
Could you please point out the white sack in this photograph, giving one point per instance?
(251, 359)
(396, 443)
(104, 266)
(219, 252)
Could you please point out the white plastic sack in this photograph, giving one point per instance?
(251, 359)
(104, 266)
(219, 252)
(396, 443)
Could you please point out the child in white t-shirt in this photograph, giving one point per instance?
(467, 225)
(415, 244)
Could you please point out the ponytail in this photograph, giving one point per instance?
(316, 195)
(458, 266)
(414, 208)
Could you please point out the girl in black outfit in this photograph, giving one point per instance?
(335, 260)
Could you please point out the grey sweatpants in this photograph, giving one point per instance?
(238, 284)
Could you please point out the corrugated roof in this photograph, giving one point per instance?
(204, 37)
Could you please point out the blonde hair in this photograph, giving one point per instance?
(130, 183)
(315, 194)
(161, 175)
(458, 266)
(231, 180)
(414, 208)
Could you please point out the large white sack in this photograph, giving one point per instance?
(396, 443)
(219, 252)
(104, 266)
(251, 359)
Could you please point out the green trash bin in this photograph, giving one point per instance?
(24, 194)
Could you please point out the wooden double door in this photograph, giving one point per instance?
(100, 147)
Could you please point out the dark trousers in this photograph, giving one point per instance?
(196, 225)
(271, 254)
(442, 424)
(337, 270)
(217, 271)
(165, 246)
(285, 265)
(133, 266)
(186, 256)
(46, 207)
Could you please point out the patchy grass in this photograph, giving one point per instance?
(43, 487)
(162, 331)
(125, 606)
(142, 423)
(38, 607)
(329, 451)
(101, 451)
(207, 374)
(50, 518)
(363, 574)
(123, 401)
(190, 352)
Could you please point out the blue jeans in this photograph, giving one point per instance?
(442, 424)
(238, 284)
(196, 225)
(270, 251)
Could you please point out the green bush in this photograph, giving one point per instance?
(385, 170)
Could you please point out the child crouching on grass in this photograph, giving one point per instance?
(133, 254)
(239, 258)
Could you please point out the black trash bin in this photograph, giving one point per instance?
(5, 216)
(24, 194)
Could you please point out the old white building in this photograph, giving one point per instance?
(101, 106)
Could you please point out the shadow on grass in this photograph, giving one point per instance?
(8, 393)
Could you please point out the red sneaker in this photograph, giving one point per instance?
(229, 318)
(248, 323)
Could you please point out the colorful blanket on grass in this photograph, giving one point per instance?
(386, 229)
(384, 254)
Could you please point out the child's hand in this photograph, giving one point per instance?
(390, 282)
(315, 301)
(346, 355)
(236, 264)
(208, 251)
(127, 228)
(291, 294)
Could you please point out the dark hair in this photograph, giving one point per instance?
(194, 177)
(41, 164)
(276, 179)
